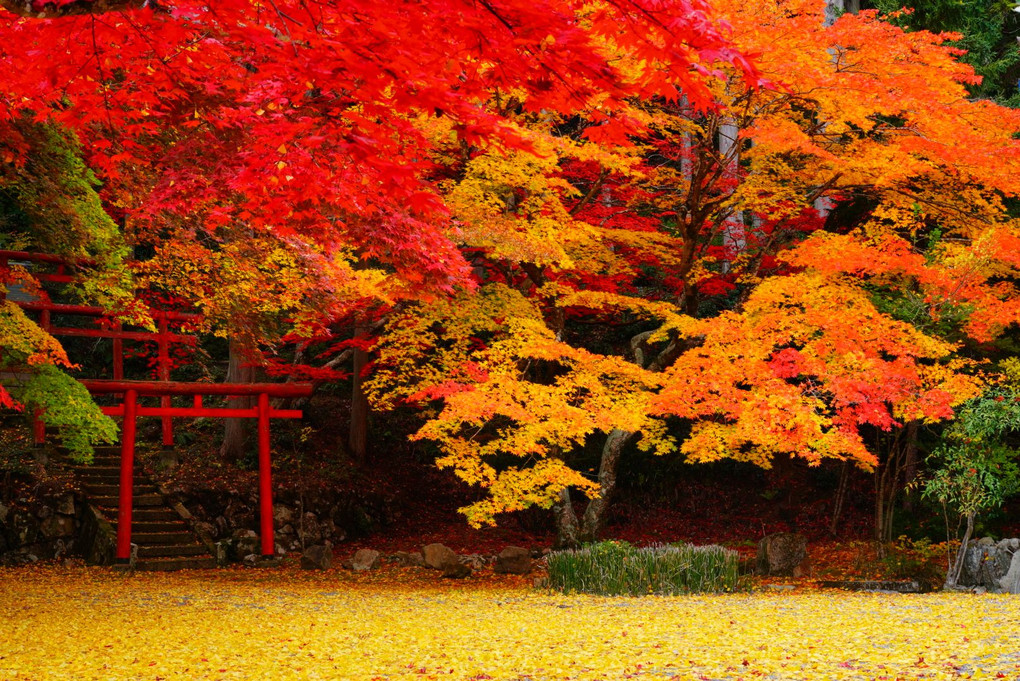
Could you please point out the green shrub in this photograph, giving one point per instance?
(617, 568)
(919, 560)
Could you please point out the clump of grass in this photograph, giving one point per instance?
(619, 569)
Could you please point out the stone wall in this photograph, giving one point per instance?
(992, 566)
(40, 528)
(299, 521)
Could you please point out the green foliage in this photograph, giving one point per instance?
(977, 467)
(989, 28)
(920, 560)
(617, 568)
(50, 204)
(69, 408)
(52, 201)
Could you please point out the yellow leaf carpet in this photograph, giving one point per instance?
(89, 623)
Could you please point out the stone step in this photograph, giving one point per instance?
(161, 538)
(164, 540)
(112, 502)
(153, 515)
(114, 481)
(170, 564)
(114, 490)
(149, 527)
(103, 469)
(105, 462)
(170, 550)
(111, 478)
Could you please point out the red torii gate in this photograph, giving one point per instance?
(131, 410)
(165, 389)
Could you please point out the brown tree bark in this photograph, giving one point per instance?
(595, 514)
(888, 479)
(567, 534)
(953, 577)
(840, 501)
(237, 432)
(357, 439)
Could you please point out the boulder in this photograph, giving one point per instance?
(365, 559)
(456, 570)
(781, 553)
(988, 564)
(406, 559)
(238, 514)
(246, 543)
(57, 526)
(309, 531)
(222, 552)
(319, 557)
(282, 515)
(513, 560)
(207, 531)
(438, 556)
(24, 528)
(1010, 582)
(66, 505)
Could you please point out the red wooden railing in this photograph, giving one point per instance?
(163, 338)
(60, 276)
(164, 389)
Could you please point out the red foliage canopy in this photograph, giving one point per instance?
(298, 118)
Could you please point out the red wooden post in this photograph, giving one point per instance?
(127, 477)
(265, 482)
(164, 375)
(118, 355)
(38, 428)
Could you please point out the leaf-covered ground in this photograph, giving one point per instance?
(86, 623)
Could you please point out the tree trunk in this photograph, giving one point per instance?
(358, 437)
(595, 515)
(954, 572)
(566, 522)
(887, 481)
(237, 432)
(840, 500)
(910, 465)
(836, 8)
(734, 231)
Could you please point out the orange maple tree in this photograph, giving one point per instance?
(861, 174)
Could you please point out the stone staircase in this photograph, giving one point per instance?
(164, 539)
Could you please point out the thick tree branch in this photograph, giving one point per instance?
(590, 194)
